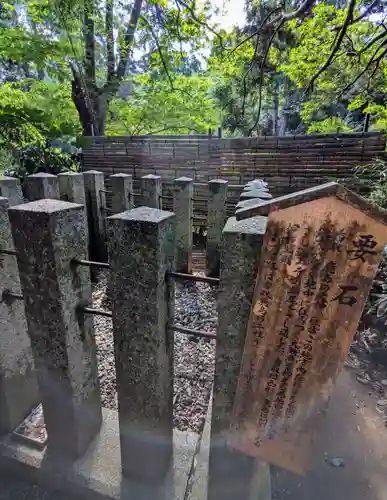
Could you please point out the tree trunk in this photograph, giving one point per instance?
(275, 112)
(92, 109)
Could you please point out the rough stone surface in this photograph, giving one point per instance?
(230, 473)
(215, 223)
(18, 387)
(256, 193)
(195, 307)
(183, 209)
(257, 183)
(10, 188)
(72, 187)
(48, 235)
(41, 186)
(247, 203)
(121, 186)
(141, 251)
(151, 191)
(97, 474)
(95, 201)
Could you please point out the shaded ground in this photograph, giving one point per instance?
(353, 431)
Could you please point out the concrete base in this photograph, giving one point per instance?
(97, 475)
(260, 485)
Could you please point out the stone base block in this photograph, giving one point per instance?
(97, 475)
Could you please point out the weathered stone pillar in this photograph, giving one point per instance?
(18, 387)
(48, 235)
(10, 188)
(183, 209)
(96, 204)
(215, 223)
(121, 186)
(141, 251)
(233, 475)
(151, 190)
(41, 186)
(72, 187)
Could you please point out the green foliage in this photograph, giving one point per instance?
(333, 124)
(156, 108)
(373, 179)
(31, 111)
(354, 80)
(33, 159)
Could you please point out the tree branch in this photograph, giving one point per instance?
(89, 41)
(261, 74)
(109, 40)
(374, 40)
(336, 47)
(308, 4)
(371, 61)
(129, 39)
(362, 16)
(256, 33)
(191, 10)
(154, 36)
(245, 76)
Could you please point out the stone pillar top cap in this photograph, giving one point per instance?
(219, 181)
(70, 172)
(92, 172)
(150, 176)
(183, 179)
(47, 206)
(41, 175)
(7, 178)
(144, 214)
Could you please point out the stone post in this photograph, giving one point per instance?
(141, 251)
(41, 186)
(121, 186)
(95, 202)
(72, 187)
(215, 223)
(19, 393)
(48, 235)
(10, 188)
(233, 475)
(183, 209)
(151, 190)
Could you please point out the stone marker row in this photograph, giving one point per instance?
(88, 189)
(48, 236)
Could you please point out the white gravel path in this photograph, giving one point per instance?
(195, 307)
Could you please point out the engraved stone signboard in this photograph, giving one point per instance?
(321, 252)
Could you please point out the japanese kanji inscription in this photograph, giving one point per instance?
(321, 252)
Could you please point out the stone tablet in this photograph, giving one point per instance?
(321, 252)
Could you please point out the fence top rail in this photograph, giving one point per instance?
(264, 138)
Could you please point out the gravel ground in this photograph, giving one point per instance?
(195, 307)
